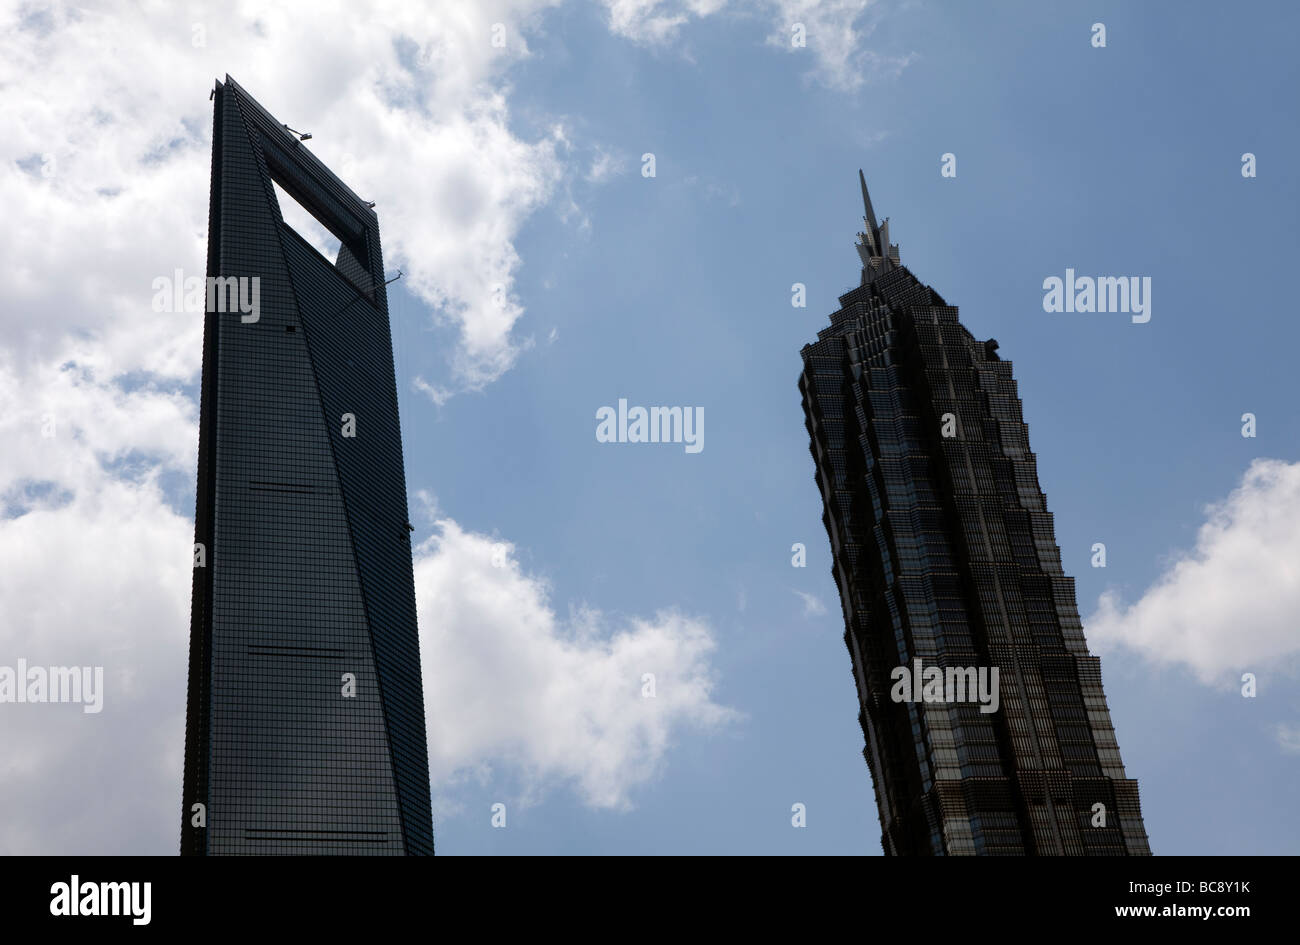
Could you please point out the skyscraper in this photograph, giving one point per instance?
(951, 585)
(305, 722)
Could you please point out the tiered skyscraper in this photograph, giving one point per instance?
(944, 552)
(305, 723)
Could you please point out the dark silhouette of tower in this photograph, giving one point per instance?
(305, 722)
(944, 552)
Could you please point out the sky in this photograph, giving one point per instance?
(546, 275)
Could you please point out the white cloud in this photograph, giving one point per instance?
(107, 136)
(511, 687)
(835, 37)
(812, 604)
(604, 166)
(94, 571)
(1229, 605)
(834, 34)
(655, 21)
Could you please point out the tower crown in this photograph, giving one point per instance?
(877, 253)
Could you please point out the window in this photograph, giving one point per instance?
(299, 219)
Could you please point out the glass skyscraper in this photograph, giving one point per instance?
(947, 566)
(305, 724)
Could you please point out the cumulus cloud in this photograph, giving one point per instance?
(108, 131)
(511, 687)
(1229, 604)
(94, 571)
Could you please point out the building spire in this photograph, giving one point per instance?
(870, 217)
(877, 253)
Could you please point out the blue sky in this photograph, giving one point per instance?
(675, 290)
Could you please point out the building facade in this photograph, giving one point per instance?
(987, 731)
(305, 729)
